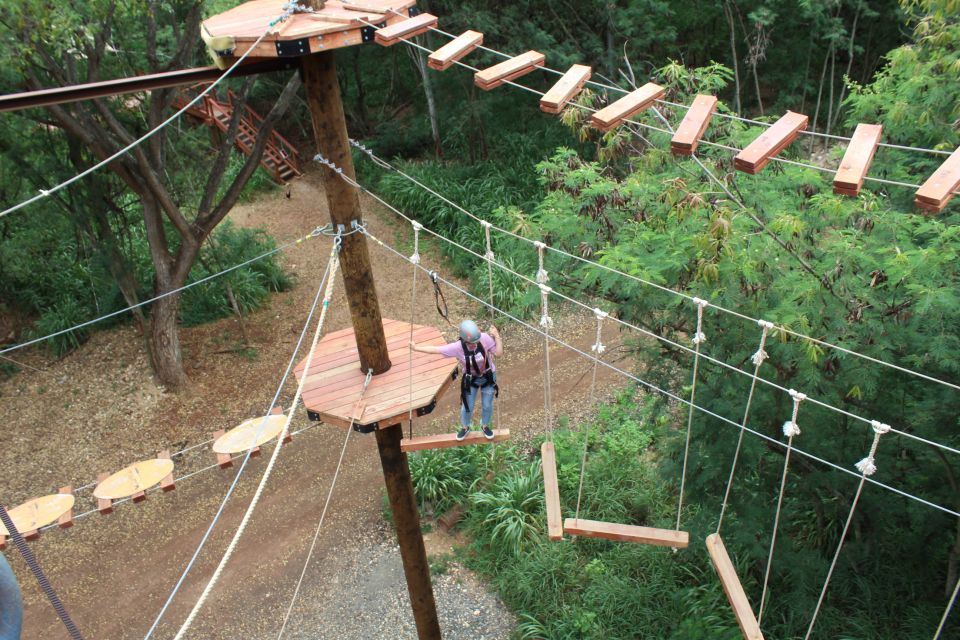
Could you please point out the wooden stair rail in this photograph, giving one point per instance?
(733, 588)
(693, 126)
(447, 440)
(627, 106)
(511, 69)
(551, 490)
(394, 33)
(771, 142)
(627, 533)
(940, 187)
(856, 160)
(444, 57)
(569, 85)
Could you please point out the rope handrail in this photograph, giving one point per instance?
(674, 397)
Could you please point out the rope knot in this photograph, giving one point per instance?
(700, 302)
(765, 324)
(791, 429)
(600, 314)
(545, 320)
(867, 466)
(879, 428)
(416, 225)
(486, 224)
(797, 396)
(415, 258)
(542, 276)
(488, 256)
(699, 337)
(759, 357)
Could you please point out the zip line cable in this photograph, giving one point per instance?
(288, 10)
(673, 396)
(246, 458)
(313, 234)
(665, 340)
(330, 275)
(333, 484)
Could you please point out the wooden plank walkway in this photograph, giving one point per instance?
(626, 533)
(856, 160)
(770, 143)
(732, 587)
(551, 490)
(447, 440)
(626, 107)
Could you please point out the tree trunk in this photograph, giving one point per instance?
(165, 341)
(420, 61)
(728, 12)
(843, 87)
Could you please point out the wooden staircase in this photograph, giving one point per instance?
(280, 158)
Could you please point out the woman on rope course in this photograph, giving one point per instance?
(475, 351)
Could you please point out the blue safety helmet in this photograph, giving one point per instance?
(469, 332)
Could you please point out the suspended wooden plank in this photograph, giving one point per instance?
(447, 440)
(733, 588)
(857, 159)
(626, 107)
(134, 480)
(394, 33)
(444, 57)
(34, 514)
(250, 435)
(551, 490)
(626, 533)
(771, 142)
(691, 129)
(936, 192)
(511, 69)
(566, 87)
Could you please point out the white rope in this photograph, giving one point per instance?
(383, 163)
(757, 359)
(288, 10)
(698, 339)
(542, 277)
(414, 261)
(328, 294)
(490, 259)
(547, 323)
(598, 348)
(323, 514)
(246, 458)
(672, 396)
(946, 613)
(790, 429)
(867, 467)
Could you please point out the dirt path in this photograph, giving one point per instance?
(98, 410)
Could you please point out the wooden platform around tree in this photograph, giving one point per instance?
(732, 587)
(626, 533)
(334, 382)
(551, 491)
(232, 33)
(447, 440)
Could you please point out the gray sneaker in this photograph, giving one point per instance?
(463, 433)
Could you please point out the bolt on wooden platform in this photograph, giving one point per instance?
(334, 382)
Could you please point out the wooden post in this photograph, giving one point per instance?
(330, 130)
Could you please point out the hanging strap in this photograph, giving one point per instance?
(698, 339)
(790, 429)
(867, 467)
(441, 302)
(598, 348)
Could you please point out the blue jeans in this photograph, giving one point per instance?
(11, 604)
(486, 405)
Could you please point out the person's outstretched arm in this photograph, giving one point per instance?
(426, 348)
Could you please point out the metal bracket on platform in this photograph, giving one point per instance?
(313, 416)
(366, 33)
(366, 428)
(413, 11)
(289, 48)
(422, 411)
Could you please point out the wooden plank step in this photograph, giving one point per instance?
(856, 160)
(446, 440)
(394, 33)
(511, 69)
(940, 187)
(444, 57)
(693, 125)
(732, 587)
(771, 142)
(626, 533)
(551, 489)
(627, 106)
(566, 87)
